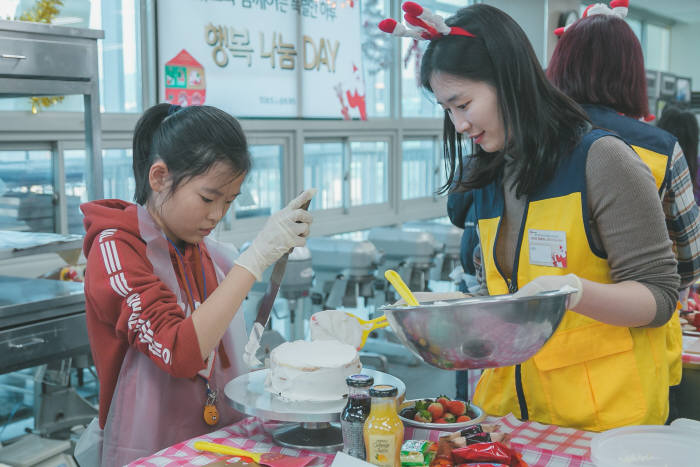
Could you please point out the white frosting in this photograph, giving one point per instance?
(336, 325)
(311, 371)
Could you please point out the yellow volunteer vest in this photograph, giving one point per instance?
(655, 147)
(589, 375)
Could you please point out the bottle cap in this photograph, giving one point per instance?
(359, 381)
(383, 390)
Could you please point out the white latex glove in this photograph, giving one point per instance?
(548, 283)
(434, 297)
(253, 345)
(283, 231)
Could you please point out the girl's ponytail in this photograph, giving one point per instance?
(143, 153)
(190, 141)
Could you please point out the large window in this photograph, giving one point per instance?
(324, 169)
(261, 193)
(119, 60)
(118, 174)
(355, 164)
(419, 169)
(658, 48)
(377, 56)
(368, 172)
(27, 191)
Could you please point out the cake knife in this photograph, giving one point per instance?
(265, 307)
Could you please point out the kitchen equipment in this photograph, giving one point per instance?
(474, 412)
(316, 424)
(478, 332)
(271, 459)
(345, 271)
(401, 287)
(449, 238)
(410, 252)
(652, 445)
(369, 325)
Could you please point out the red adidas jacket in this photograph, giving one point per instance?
(128, 305)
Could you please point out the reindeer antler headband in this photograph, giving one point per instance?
(422, 24)
(617, 8)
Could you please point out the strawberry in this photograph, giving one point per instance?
(443, 400)
(463, 418)
(449, 418)
(436, 410)
(457, 408)
(423, 416)
(440, 420)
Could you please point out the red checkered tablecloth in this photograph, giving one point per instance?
(540, 445)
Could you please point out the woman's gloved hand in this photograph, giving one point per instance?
(548, 283)
(283, 230)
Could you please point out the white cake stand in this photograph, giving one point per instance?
(315, 423)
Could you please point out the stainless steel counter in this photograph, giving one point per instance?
(40, 321)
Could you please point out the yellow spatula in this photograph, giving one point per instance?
(401, 287)
(343, 326)
(369, 325)
(269, 459)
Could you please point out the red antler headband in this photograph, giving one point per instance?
(422, 24)
(617, 8)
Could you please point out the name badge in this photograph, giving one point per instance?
(547, 248)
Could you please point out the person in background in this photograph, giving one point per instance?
(611, 87)
(683, 124)
(163, 299)
(535, 176)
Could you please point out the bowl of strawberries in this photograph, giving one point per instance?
(440, 413)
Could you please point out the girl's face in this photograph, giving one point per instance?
(472, 107)
(197, 205)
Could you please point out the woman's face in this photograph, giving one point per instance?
(472, 107)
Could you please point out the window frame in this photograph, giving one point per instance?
(64, 130)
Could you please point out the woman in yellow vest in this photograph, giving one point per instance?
(554, 209)
(612, 89)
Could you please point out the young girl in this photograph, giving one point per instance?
(604, 366)
(162, 299)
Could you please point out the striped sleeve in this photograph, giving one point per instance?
(149, 315)
(683, 219)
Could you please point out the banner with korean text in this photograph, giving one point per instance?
(262, 58)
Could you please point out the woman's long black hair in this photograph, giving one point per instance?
(683, 125)
(541, 124)
(190, 141)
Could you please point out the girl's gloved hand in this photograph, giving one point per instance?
(283, 231)
(548, 283)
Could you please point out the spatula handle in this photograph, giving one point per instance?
(228, 450)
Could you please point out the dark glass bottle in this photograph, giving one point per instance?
(352, 419)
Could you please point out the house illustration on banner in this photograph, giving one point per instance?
(184, 80)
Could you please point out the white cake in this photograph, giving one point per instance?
(311, 371)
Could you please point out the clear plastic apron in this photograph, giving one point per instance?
(151, 409)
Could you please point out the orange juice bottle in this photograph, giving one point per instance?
(383, 431)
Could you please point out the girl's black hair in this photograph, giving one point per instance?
(541, 124)
(190, 141)
(683, 125)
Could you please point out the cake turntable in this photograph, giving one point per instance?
(314, 425)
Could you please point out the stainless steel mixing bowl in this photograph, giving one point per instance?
(478, 332)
